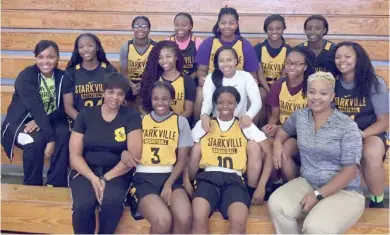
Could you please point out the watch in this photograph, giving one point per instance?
(318, 195)
(104, 179)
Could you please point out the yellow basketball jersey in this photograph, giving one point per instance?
(224, 148)
(272, 67)
(160, 141)
(177, 104)
(137, 62)
(238, 46)
(289, 103)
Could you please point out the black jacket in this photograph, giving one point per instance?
(26, 104)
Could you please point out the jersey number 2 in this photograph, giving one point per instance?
(89, 103)
(224, 162)
(155, 158)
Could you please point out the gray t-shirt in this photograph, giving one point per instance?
(337, 144)
(379, 99)
(124, 52)
(185, 137)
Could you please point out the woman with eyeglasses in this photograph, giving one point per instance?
(133, 56)
(286, 96)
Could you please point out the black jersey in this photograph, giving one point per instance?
(361, 111)
(86, 85)
(189, 55)
(323, 62)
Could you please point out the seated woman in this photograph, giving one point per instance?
(165, 63)
(36, 121)
(222, 154)
(364, 97)
(286, 96)
(101, 137)
(225, 74)
(328, 191)
(157, 184)
(88, 65)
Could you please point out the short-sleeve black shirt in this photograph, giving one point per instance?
(105, 141)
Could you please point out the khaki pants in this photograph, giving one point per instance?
(334, 214)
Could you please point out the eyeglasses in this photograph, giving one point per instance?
(296, 64)
(144, 26)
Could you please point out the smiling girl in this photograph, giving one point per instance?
(226, 33)
(134, 54)
(365, 98)
(165, 63)
(83, 85)
(187, 42)
(316, 27)
(157, 183)
(36, 121)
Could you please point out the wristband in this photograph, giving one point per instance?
(104, 179)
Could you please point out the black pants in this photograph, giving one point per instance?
(33, 157)
(84, 203)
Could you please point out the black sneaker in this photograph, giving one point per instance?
(376, 204)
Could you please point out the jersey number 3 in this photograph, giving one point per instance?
(155, 158)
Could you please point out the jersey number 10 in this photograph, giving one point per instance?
(226, 162)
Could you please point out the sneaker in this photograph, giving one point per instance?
(376, 204)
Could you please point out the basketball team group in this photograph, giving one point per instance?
(186, 126)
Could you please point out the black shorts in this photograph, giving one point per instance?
(221, 189)
(150, 183)
(385, 139)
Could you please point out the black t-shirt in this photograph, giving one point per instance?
(86, 85)
(104, 141)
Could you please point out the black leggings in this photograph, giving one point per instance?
(33, 157)
(85, 203)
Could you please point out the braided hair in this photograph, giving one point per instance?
(185, 14)
(226, 11)
(153, 71)
(310, 69)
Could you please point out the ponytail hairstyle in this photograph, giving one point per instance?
(159, 84)
(309, 62)
(76, 57)
(153, 71)
(272, 18)
(226, 11)
(186, 15)
(229, 89)
(217, 75)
